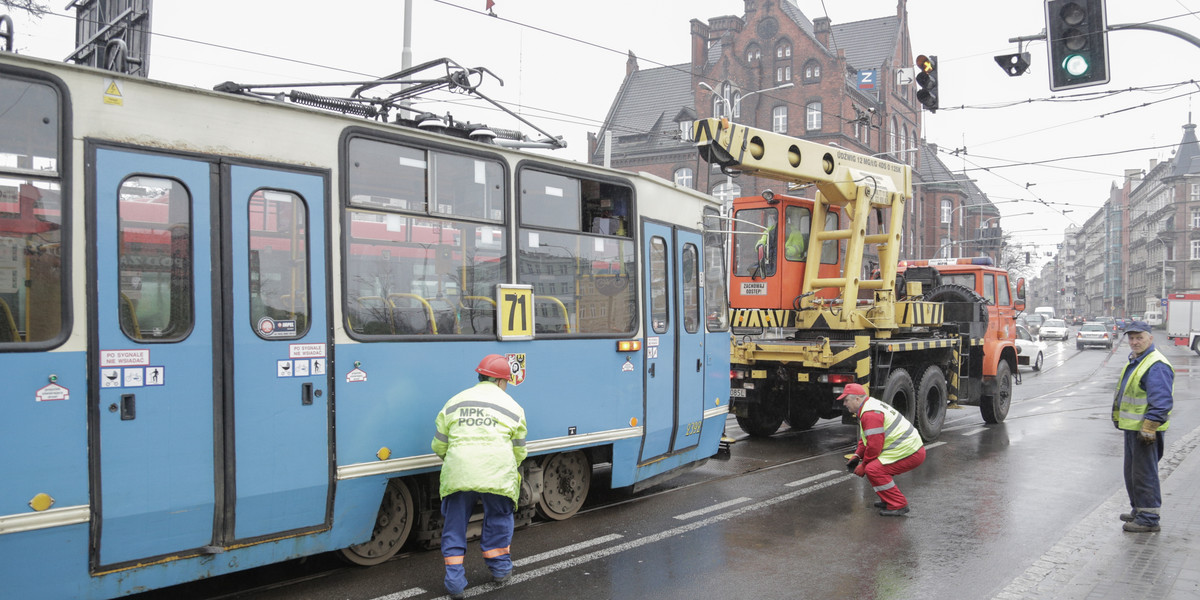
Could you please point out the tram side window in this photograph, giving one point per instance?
(576, 251)
(279, 264)
(155, 256)
(426, 242)
(659, 291)
(689, 271)
(716, 294)
(32, 271)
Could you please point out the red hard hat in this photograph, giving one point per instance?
(494, 365)
(852, 389)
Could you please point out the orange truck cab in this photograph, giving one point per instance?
(978, 281)
(768, 266)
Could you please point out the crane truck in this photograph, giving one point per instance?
(806, 322)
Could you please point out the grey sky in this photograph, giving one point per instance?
(567, 82)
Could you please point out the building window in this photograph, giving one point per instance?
(1195, 196)
(944, 249)
(812, 71)
(736, 102)
(779, 119)
(903, 144)
(753, 54)
(718, 110)
(726, 191)
(783, 62)
(1196, 218)
(1195, 249)
(812, 116)
(892, 138)
(683, 177)
(947, 210)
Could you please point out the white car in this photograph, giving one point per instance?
(1029, 352)
(1054, 329)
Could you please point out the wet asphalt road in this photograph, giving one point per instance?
(782, 518)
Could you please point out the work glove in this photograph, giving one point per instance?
(1149, 433)
(860, 470)
(853, 462)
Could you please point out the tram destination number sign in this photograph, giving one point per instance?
(515, 315)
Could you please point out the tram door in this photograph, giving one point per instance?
(674, 343)
(192, 433)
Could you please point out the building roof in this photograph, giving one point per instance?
(1187, 157)
(868, 44)
(643, 115)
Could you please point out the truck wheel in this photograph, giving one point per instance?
(931, 404)
(801, 416)
(899, 393)
(995, 406)
(761, 420)
(1037, 362)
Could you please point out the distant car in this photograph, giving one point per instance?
(1029, 352)
(1054, 329)
(1094, 333)
(1110, 322)
(1034, 323)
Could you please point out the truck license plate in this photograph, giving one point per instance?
(737, 393)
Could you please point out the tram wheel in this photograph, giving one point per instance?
(566, 479)
(392, 527)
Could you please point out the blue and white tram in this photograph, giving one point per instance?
(226, 325)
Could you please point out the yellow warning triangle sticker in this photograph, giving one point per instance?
(113, 90)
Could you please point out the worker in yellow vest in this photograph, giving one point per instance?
(481, 440)
(887, 445)
(1142, 410)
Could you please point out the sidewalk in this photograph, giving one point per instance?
(1096, 560)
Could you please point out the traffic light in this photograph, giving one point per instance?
(927, 80)
(1077, 43)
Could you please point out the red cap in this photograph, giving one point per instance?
(852, 389)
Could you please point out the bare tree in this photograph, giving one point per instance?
(34, 8)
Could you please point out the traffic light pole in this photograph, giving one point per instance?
(1183, 35)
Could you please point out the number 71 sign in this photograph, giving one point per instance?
(514, 314)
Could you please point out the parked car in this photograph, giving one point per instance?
(1094, 333)
(1029, 352)
(1054, 328)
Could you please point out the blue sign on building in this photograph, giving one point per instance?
(867, 79)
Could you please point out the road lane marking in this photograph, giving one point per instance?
(650, 539)
(975, 431)
(1036, 408)
(1056, 401)
(811, 479)
(934, 445)
(715, 507)
(567, 549)
(409, 593)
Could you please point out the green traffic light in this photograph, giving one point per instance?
(1076, 65)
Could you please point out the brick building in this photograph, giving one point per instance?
(773, 68)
